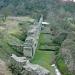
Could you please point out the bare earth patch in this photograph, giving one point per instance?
(3, 68)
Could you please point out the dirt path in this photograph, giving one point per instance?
(3, 68)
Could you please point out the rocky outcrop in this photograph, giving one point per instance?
(24, 67)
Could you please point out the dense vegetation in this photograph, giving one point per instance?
(23, 7)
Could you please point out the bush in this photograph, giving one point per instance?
(62, 66)
(15, 68)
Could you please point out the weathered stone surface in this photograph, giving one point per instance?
(31, 41)
(34, 69)
(28, 68)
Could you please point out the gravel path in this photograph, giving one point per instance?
(56, 69)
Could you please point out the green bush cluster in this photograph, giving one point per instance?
(62, 66)
(15, 69)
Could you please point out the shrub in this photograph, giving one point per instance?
(62, 66)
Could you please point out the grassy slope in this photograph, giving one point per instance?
(12, 35)
(5, 50)
(44, 58)
(12, 24)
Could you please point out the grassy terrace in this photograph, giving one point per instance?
(5, 50)
(43, 57)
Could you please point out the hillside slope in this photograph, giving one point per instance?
(60, 15)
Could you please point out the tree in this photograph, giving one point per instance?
(7, 11)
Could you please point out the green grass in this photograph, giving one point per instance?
(12, 40)
(42, 58)
(45, 59)
(45, 38)
(5, 50)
